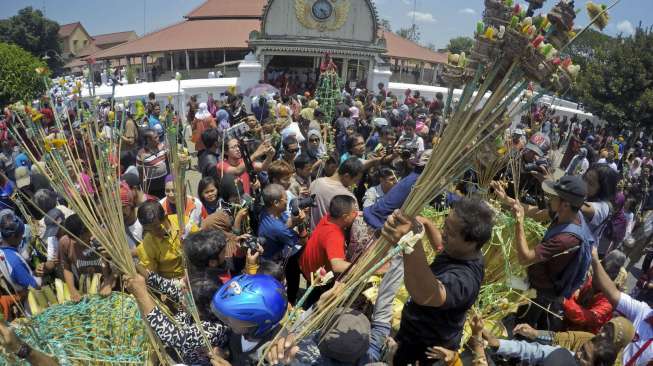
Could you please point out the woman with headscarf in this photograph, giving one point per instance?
(315, 147)
(213, 105)
(223, 121)
(202, 122)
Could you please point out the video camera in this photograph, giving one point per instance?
(407, 148)
(297, 204)
(536, 165)
(252, 243)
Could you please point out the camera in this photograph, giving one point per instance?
(297, 204)
(251, 243)
(536, 165)
(407, 148)
(95, 244)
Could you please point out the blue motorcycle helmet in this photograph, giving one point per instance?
(254, 301)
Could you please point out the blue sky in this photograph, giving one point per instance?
(439, 20)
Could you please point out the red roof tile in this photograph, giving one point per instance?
(228, 9)
(66, 30)
(188, 35)
(402, 48)
(117, 37)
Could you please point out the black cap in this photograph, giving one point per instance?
(569, 188)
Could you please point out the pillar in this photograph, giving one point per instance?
(421, 72)
(380, 73)
(172, 62)
(250, 73)
(224, 59)
(187, 64)
(195, 57)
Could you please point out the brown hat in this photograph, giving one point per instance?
(623, 331)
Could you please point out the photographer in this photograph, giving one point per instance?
(535, 166)
(234, 163)
(281, 242)
(409, 138)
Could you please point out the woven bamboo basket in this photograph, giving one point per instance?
(558, 39)
(514, 44)
(486, 50)
(496, 13)
(535, 65)
(455, 75)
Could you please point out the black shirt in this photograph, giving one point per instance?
(443, 326)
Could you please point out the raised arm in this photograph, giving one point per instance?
(422, 285)
(525, 255)
(603, 282)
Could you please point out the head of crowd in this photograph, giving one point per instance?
(279, 187)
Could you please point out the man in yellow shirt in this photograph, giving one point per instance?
(160, 250)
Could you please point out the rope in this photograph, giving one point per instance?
(105, 330)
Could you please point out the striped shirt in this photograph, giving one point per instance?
(153, 163)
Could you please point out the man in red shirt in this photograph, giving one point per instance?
(326, 246)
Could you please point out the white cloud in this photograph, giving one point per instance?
(467, 11)
(421, 17)
(626, 27)
(406, 2)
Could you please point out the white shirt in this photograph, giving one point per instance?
(372, 195)
(637, 312)
(134, 234)
(612, 165)
(601, 212)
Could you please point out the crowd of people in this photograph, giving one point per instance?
(284, 192)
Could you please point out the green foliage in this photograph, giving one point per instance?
(18, 77)
(33, 32)
(586, 45)
(460, 44)
(617, 82)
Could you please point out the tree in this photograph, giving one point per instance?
(385, 24)
(36, 34)
(617, 83)
(460, 44)
(586, 45)
(411, 33)
(18, 77)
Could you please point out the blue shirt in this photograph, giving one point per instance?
(279, 240)
(376, 214)
(19, 272)
(152, 121)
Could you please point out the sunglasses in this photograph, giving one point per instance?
(294, 151)
(314, 140)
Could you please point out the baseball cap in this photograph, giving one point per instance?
(569, 188)
(22, 160)
(348, 340)
(22, 177)
(539, 143)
